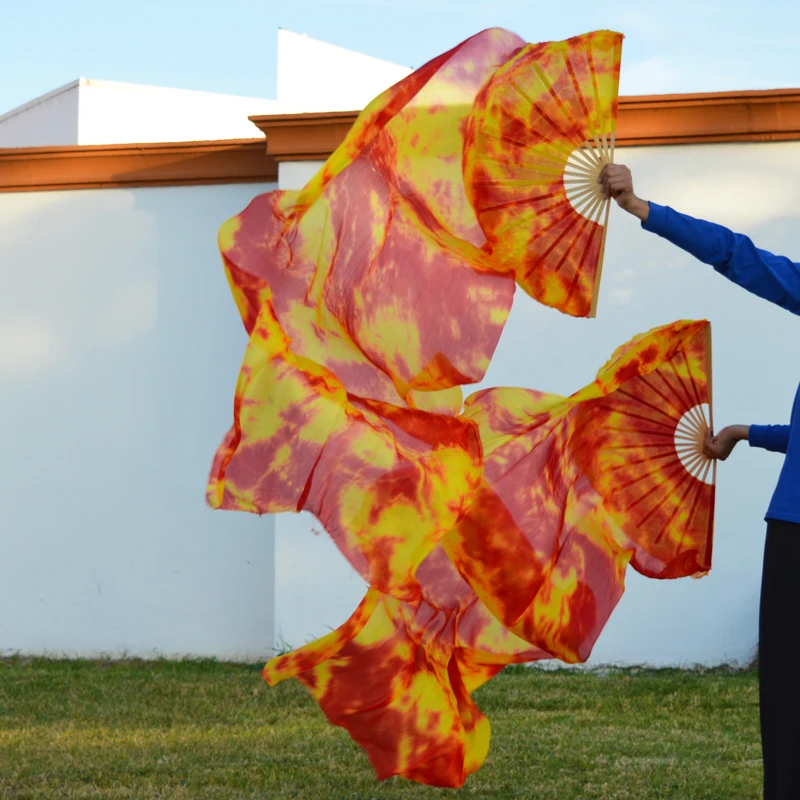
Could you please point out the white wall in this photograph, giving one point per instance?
(51, 119)
(646, 282)
(295, 174)
(119, 350)
(317, 76)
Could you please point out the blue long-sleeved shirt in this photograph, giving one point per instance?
(774, 278)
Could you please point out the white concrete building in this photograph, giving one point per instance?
(88, 111)
(120, 346)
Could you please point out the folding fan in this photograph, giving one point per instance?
(641, 447)
(539, 135)
(577, 488)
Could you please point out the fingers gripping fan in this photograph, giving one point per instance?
(538, 137)
(642, 449)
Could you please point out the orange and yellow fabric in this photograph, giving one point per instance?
(492, 531)
(398, 676)
(372, 292)
(387, 482)
(576, 488)
(377, 266)
(537, 564)
(395, 266)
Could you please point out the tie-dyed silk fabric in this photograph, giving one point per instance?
(492, 531)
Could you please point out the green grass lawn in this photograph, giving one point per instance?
(197, 729)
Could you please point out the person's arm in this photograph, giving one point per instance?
(767, 437)
(733, 255)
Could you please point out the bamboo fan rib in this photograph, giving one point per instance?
(581, 174)
(538, 137)
(690, 436)
(642, 449)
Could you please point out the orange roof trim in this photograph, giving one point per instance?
(756, 116)
(26, 169)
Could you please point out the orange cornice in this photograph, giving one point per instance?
(127, 165)
(756, 116)
(304, 137)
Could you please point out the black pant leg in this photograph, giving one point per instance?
(779, 662)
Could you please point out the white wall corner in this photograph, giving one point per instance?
(317, 76)
(46, 121)
(296, 174)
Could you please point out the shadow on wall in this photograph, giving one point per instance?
(119, 349)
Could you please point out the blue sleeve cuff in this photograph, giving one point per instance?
(656, 219)
(757, 436)
(769, 437)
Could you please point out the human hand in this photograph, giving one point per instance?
(719, 447)
(616, 182)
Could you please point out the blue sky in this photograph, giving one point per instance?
(230, 46)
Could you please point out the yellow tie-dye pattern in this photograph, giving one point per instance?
(495, 530)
